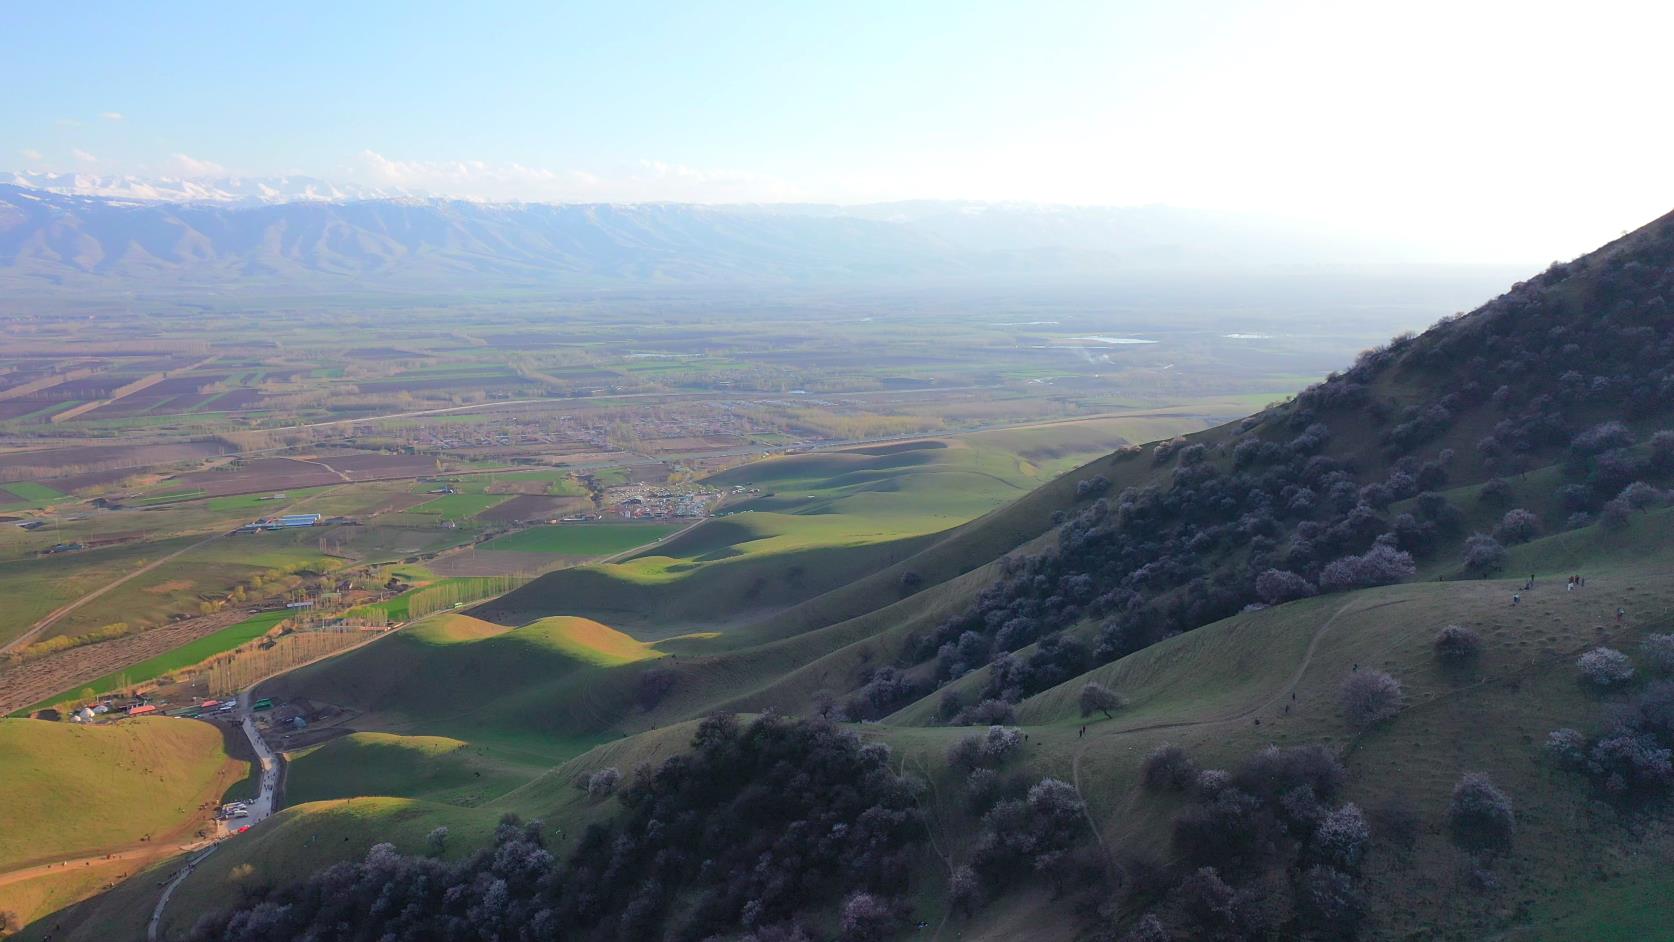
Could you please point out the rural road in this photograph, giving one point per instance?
(261, 807)
(65, 609)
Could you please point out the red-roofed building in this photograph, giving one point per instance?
(141, 710)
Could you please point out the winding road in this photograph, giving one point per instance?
(261, 807)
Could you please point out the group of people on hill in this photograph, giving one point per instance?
(1575, 582)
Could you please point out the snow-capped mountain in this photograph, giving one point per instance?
(125, 233)
(237, 190)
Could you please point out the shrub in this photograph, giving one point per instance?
(1380, 565)
(1604, 668)
(1340, 840)
(1630, 763)
(964, 890)
(1277, 586)
(1495, 492)
(603, 782)
(1658, 652)
(1148, 929)
(1037, 831)
(1640, 495)
(1662, 450)
(1517, 526)
(1329, 903)
(1274, 770)
(436, 841)
(987, 713)
(1615, 514)
(1097, 698)
(994, 747)
(1369, 697)
(1457, 644)
(1480, 816)
(866, 918)
(1566, 749)
(1483, 554)
(652, 687)
(1168, 768)
(1601, 438)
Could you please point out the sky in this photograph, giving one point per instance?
(1486, 131)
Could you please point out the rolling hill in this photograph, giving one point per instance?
(1195, 689)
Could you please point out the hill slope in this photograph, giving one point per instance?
(1220, 592)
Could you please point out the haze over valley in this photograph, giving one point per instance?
(1057, 471)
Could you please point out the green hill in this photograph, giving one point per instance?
(1240, 588)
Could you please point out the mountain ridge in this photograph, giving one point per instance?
(59, 239)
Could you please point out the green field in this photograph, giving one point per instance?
(184, 656)
(29, 492)
(459, 506)
(582, 539)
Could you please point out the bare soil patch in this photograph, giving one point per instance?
(34, 681)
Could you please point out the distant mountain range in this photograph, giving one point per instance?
(70, 230)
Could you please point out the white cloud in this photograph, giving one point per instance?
(30, 153)
(188, 166)
(82, 156)
(111, 115)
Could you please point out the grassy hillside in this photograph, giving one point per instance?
(70, 791)
(1224, 586)
(820, 524)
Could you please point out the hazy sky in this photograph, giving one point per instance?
(1492, 131)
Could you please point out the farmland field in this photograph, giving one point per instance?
(184, 656)
(582, 539)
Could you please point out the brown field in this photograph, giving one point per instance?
(263, 474)
(364, 467)
(534, 507)
(693, 443)
(79, 460)
(34, 681)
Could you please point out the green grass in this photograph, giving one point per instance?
(33, 493)
(76, 790)
(184, 656)
(435, 768)
(170, 497)
(301, 838)
(1632, 910)
(592, 642)
(582, 539)
(460, 506)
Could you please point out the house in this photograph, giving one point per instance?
(299, 520)
(141, 709)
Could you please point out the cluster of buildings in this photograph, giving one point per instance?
(659, 501)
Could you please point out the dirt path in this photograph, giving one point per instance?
(151, 927)
(144, 852)
(65, 609)
(1243, 713)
